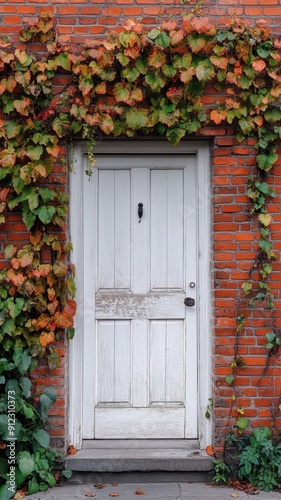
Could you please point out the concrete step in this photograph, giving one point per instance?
(143, 456)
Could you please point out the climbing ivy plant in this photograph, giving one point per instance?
(140, 81)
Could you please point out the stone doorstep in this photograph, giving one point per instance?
(118, 456)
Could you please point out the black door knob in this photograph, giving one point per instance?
(189, 301)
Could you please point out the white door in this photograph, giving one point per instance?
(144, 336)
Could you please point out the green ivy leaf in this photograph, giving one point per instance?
(162, 40)
(155, 81)
(242, 424)
(272, 115)
(265, 162)
(26, 463)
(22, 360)
(136, 118)
(5, 492)
(42, 437)
(175, 134)
(15, 308)
(229, 379)
(45, 213)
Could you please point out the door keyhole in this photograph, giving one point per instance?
(140, 211)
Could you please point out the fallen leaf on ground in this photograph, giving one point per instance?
(71, 450)
(114, 494)
(235, 495)
(90, 494)
(139, 492)
(210, 451)
(114, 484)
(20, 494)
(100, 486)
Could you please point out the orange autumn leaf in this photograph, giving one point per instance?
(71, 450)
(169, 25)
(114, 494)
(258, 120)
(210, 451)
(99, 486)
(139, 492)
(217, 116)
(90, 494)
(46, 338)
(259, 65)
(3, 194)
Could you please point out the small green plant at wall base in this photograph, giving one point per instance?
(260, 461)
(221, 472)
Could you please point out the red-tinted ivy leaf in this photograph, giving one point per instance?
(259, 65)
(3, 194)
(23, 78)
(156, 58)
(169, 25)
(25, 257)
(219, 62)
(176, 37)
(7, 158)
(22, 106)
(186, 75)
(16, 279)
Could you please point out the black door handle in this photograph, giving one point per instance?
(189, 301)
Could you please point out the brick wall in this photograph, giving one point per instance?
(258, 391)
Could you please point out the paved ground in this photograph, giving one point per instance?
(149, 491)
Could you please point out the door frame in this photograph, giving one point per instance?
(80, 356)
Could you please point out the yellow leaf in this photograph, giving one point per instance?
(265, 219)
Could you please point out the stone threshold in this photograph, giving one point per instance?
(145, 456)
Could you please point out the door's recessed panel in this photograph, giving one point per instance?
(114, 362)
(167, 229)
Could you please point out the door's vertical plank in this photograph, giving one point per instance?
(175, 357)
(122, 244)
(159, 228)
(122, 365)
(106, 229)
(175, 250)
(157, 375)
(140, 230)
(140, 367)
(105, 361)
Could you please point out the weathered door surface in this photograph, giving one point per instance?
(146, 265)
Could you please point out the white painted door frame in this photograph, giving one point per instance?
(81, 348)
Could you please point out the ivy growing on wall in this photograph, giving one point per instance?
(138, 81)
